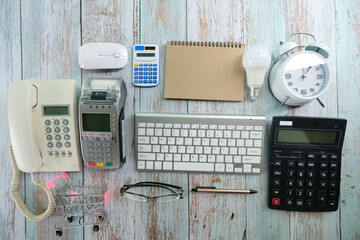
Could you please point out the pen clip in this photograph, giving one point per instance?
(203, 187)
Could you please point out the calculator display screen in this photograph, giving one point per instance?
(145, 54)
(96, 122)
(307, 137)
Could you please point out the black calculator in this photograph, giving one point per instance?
(305, 163)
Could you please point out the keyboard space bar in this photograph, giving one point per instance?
(196, 167)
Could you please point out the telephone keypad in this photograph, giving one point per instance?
(55, 130)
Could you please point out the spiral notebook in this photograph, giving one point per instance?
(204, 71)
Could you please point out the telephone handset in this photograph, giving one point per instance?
(43, 125)
(43, 131)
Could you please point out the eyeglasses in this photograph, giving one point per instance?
(175, 192)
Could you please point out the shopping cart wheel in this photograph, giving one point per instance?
(58, 232)
(101, 217)
(96, 228)
(70, 219)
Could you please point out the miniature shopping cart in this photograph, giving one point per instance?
(77, 205)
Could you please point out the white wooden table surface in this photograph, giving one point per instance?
(40, 40)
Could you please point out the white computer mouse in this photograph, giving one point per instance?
(102, 56)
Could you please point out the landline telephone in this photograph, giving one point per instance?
(43, 132)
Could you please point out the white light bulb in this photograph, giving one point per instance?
(256, 61)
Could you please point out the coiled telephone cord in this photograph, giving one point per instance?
(17, 198)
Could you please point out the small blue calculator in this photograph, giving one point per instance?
(146, 65)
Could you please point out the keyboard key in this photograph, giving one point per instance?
(190, 167)
(219, 167)
(146, 156)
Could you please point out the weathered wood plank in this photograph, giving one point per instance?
(112, 21)
(50, 41)
(161, 21)
(11, 221)
(265, 25)
(317, 18)
(348, 66)
(216, 21)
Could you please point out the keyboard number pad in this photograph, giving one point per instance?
(310, 183)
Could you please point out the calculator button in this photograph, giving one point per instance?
(300, 183)
(276, 182)
(309, 193)
(67, 144)
(154, 77)
(140, 69)
(311, 164)
(310, 183)
(91, 163)
(48, 137)
(299, 193)
(66, 122)
(290, 183)
(58, 137)
(145, 73)
(322, 198)
(136, 81)
(154, 69)
(136, 73)
(299, 202)
(136, 69)
(109, 164)
(332, 203)
(333, 175)
(67, 137)
(100, 164)
(332, 194)
(311, 156)
(277, 172)
(140, 73)
(309, 203)
(56, 122)
(277, 163)
(140, 77)
(291, 163)
(323, 184)
(323, 165)
(332, 185)
(154, 65)
(333, 164)
(275, 201)
(301, 174)
(289, 192)
(301, 164)
(276, 192)
(323, 156)
(47, 122)
(66, 129)
(50, 144)
(310, 174)
(149, 81)
(323, 174)
(145, 69)
(289, 202)
(141, 64)
(145, 81)
(333, 156)
(154, 81)
(59, 144)
(136, 77)
(291, 173)
(48, 130)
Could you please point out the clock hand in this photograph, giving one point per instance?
(305, 74)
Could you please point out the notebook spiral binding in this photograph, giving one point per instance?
(206, 44)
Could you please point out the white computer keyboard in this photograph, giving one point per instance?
(199, 143)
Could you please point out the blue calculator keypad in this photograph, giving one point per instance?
(148, 72)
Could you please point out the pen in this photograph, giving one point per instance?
(215, 190)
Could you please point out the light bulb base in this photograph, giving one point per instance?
(254, 93)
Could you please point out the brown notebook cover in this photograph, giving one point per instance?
(204, 71)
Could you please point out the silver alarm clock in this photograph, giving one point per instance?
(298, 78)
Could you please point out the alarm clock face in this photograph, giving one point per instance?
(306, 74)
